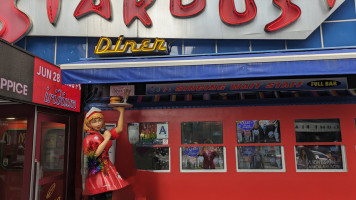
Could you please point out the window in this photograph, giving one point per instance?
(257, 157)
(202, 133)
(12, 144)
(151, 149)
(202, 150)
(254, 158)
(318, 130)
(258, 131)
(322, 149)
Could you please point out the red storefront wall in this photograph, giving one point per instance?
(232, 184)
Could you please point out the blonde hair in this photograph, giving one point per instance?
(86, 124)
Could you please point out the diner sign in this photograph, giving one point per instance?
(198, 19)
(130, 47)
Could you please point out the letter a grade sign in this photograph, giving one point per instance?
(162, 131)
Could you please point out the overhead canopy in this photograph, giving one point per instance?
(211, 67)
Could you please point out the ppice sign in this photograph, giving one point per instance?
(216, 19)
(15, 67)
(27, 78)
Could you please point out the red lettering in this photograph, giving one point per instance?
(235, 87)
(191, 9)
(53, 10)
(258, 85)
(192, 88)
(331, 3)
(270, 85)
(299, 84)
(213, 87)
(222, 87)
(285, 85)
(244, 87)
(86, 7)
(278, 84)
(229, 15)
(179, 88)
(15, 23)
(290, 13)
(200, 88)
(292, 84)
(137, 9)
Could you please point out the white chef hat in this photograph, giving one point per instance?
(92, 111)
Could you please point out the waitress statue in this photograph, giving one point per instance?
(102, 176)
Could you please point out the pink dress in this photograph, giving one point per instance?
(102, 175)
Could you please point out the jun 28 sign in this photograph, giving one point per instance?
(214, 19)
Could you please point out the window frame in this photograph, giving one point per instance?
(252, 144)
(341, 144)
(261, 170)
(181, 146)
(201, 170)
(155, 146)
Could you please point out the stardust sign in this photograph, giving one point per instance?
(214, 19)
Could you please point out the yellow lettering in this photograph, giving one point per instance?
(118, 44)
(160, 45)
(99, 47)
(104, 46)
(21, 138)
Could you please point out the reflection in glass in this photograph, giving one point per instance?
(258, 131)
(12, 156)
(151, 158)
(202, 158)
(202, 133)
(52, 158)
(148, 133)
(259, 157)
(53, 146)
(319, 157)
(318, 130)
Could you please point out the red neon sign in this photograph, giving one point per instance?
(137, 9)
(331, 3)
(86, 7)
(53, 10)
(15, 24)
(229, 15)
(191, 9)
(290, 13)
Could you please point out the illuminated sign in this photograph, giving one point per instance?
(53, 7)
(104, 47)
(213, 19)
(15, 23)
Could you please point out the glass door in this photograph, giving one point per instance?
(16, 136)
(51, 156)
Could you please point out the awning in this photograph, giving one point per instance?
(211, 67)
